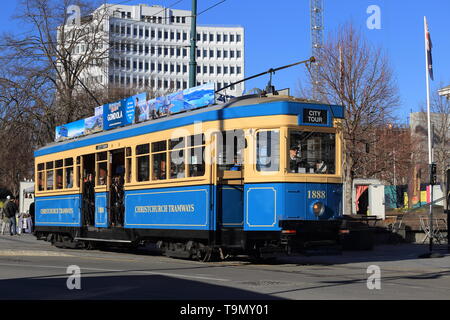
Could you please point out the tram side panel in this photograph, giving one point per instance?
(182, 208)
(101, 210)
(58, 211)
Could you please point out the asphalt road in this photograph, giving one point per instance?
(31, 269)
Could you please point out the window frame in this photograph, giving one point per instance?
(331, 130)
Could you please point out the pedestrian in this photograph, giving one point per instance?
(4, 220)
(31, 212)
(89, 200)
(11, 210)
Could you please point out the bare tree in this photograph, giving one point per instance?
(357, 75)
(46, 61)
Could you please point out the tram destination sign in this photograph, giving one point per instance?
(315, 116)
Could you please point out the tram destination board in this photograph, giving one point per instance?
(315, 116)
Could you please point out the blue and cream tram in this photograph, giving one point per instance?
(255, 175)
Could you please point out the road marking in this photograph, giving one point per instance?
(33, 253)
(175, 275)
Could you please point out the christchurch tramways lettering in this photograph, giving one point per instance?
(165, 208)
(57, 211)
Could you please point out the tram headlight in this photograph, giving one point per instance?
(318, 209)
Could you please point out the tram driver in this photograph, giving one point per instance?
(294, 159)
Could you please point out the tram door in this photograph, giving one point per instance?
(116, 187)
(229, 175)
(87, 184)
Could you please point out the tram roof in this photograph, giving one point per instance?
(239, 108)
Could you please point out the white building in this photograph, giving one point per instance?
(149, 46)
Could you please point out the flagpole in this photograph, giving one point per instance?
(430, 159)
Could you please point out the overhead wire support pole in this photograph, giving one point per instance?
(193, 62)
(316, 16)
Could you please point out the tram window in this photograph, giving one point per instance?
(159, 146)
(196, 162)
(50, 180)
(68, 162)
(128, 165)
(40, 181)
(40, 166)
(101, 156)
(143, 168)
(177, 164)
(142, 149)
(231, 150)
(159, 166)
(69, 177)
(268, 150)
(143, 162)
(176, 143)
(49, 165)
(102, 173)
(77, 181)
(68, 168)
(58, 163)
(59, 178)
(196, 140)
(312, 152)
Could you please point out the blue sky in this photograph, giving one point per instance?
(278, 33)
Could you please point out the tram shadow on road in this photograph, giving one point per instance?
(380, 253)
(121, 287)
